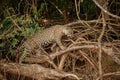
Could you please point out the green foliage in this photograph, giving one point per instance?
(8, 7)
(15, 29)
(40, 10)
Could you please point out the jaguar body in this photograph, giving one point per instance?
(47, 36)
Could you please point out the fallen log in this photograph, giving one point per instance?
(34, 72)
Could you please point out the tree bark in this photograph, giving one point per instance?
(33, 72)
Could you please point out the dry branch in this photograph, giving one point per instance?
(107, 12)
(109, 74)
(2, 77)
(100, 46)
(62, 61)
(35, 71)
(108, 51)
(76, 7)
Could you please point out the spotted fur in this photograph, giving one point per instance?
(47, 36)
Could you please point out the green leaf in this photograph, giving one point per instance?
(15, 42)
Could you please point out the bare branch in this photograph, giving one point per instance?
(109, 74)
(77, 12)
(107, 12)
(109, 51)
(35, 71)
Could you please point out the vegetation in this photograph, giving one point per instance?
(20, 19)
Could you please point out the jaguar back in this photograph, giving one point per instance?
(47, 36)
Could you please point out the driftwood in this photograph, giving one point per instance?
(2, 77)
(79, 46)
(108, 51)
(34, 71)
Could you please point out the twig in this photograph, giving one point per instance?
(53, 55)
(90, 21)
(88, 59)
(73, 76)
(107, 12)
(62, 61)
(81, 21)
(109, 74)
(56, 7)
(14, 21)
(56, 68)
(100, 46)
(76, 8)
(109, 52)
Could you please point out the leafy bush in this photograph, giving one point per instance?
(14, 30)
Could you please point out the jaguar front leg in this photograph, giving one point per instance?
(58, 41)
